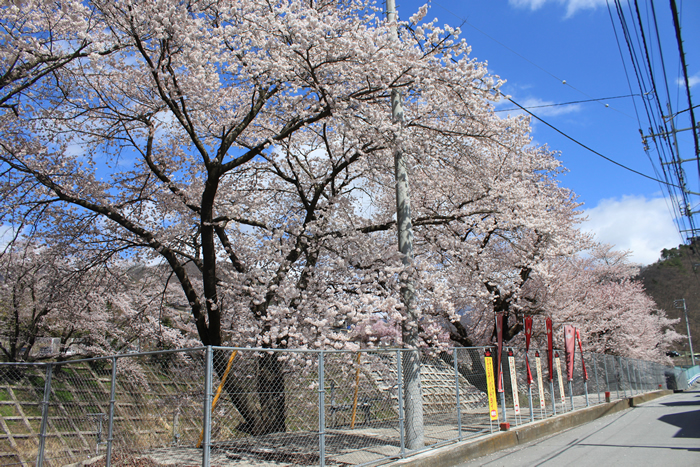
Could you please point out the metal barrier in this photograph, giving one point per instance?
(236, 406)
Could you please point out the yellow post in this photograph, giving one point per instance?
(218, 391)
(357, 390)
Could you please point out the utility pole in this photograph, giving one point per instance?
(681, 304)
(413, 402)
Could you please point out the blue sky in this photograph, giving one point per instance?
(536, 45)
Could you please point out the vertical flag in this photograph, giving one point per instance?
(569, 350)
(540, 386)
(513, 382)
(550, 348)
(491, 388)
(557, 364)
(528, 336)
(499, 340)
(583, 364)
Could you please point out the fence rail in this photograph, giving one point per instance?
(216, 406)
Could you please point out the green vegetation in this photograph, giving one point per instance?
(64, 396)
(7, 411)
(676, 276)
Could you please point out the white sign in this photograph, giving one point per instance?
(514, 384)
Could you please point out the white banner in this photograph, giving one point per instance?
(557, 365)
(514, 383)
(538, 364)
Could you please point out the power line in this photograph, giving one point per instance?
(586, 147)
(677, 26)
(561, 80)
(653, 80)
(570, 103)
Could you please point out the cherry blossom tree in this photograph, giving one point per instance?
(250, 132)
(93, 309)
(598, 294)
(40, 37)
(247, 148)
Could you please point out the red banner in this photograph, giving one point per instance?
(550, 348)
(528, 336)
(583, 364)
(499, 340)
(569, 350)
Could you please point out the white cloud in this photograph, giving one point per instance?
(537, 106)
(7, 234)
(692, 80)
(636, 223)
(542, 108)
(572, 6)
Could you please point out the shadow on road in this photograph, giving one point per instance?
(606, 445)
(680, 403)
(686, 421)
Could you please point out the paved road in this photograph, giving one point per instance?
(659, 433)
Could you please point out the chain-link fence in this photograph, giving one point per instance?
(232, 407)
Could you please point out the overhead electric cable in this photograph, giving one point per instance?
(570, 103)
(651, 115)
(561, 80)
(677, 26)
(661, 54)
(584, 146)
(664, 186)
(624, 66)
(653, 80)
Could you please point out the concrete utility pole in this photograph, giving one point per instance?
(681, 304)
(413, 405)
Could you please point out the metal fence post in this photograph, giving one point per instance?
(206, 439)
(321, 411)
(44, 415)
(399, 372)
(649, 377)
(629, 377)
(620, 377)
(605, 365)
(110, 429)
(595, 371)
(459, 408)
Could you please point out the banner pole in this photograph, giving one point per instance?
(571, 395)
(532, 409)
(503, 405)
(554, 402)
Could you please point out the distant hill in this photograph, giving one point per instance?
(675, 276)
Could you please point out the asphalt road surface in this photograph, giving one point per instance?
(664, 432)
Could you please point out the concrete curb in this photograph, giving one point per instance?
(467, 450)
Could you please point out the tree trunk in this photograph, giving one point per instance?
(472, 368)
(269, 416)
(272, 394)
(242, 397)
